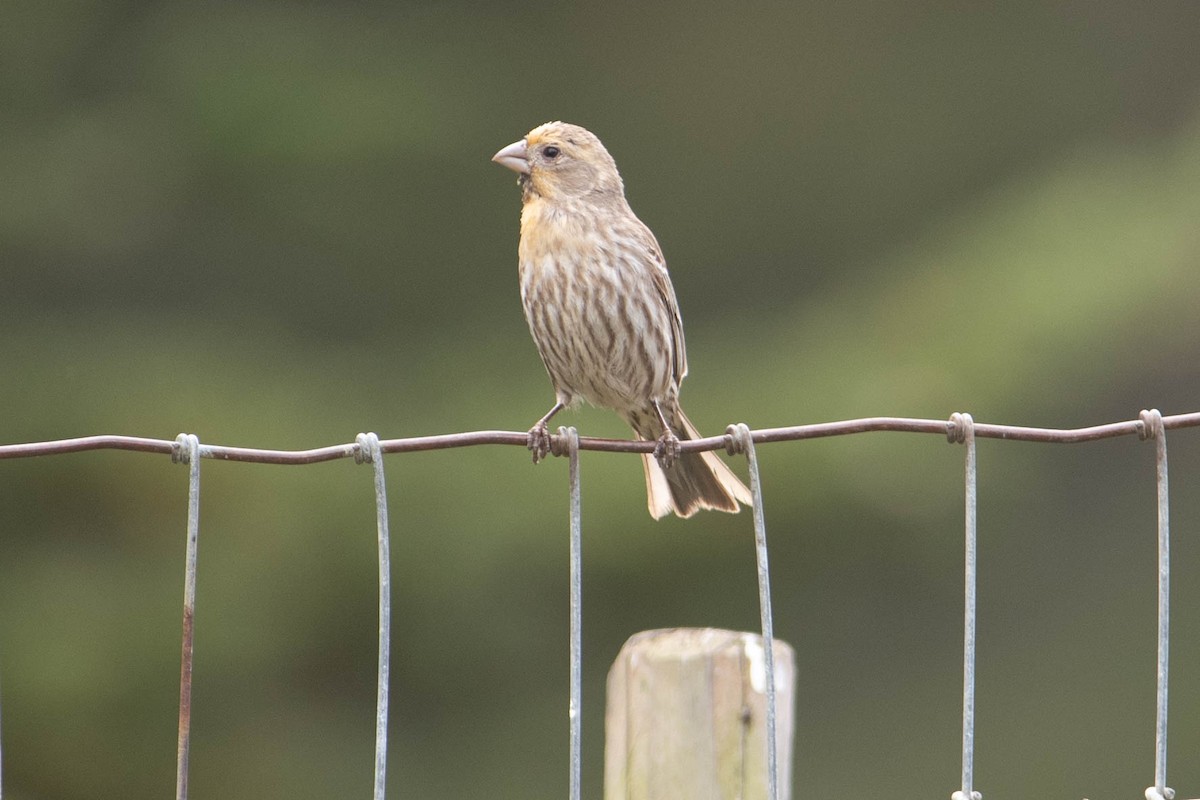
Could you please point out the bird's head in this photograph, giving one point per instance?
(560, 162)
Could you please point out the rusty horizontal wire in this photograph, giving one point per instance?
(446, 441)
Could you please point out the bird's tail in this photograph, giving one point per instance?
(695, 481)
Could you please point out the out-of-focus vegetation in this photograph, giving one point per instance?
(276, 225)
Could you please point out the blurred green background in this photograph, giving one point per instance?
(276, 225)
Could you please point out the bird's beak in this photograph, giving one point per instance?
(513, 157)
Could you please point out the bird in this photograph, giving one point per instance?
(603, 314)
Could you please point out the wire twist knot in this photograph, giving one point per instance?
(565, 442)
(185, 448)
(1150, 424)
(366, 445)
(738, 440)
(1167, 792)
(960, 427)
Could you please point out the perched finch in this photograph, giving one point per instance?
(603, 314)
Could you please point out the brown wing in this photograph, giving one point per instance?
(662, 283)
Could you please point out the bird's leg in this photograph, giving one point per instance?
(539, 434)
(667, 449)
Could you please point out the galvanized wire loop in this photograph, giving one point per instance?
(182, 450)
(1150, 424)
(569, 439)
(1152, 428)
(368, 450)
(961, 430)
(365, 445)
(739, 440)
(559, 446)
(957, 427)
(187, 451)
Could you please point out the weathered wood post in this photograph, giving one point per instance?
(686, 717)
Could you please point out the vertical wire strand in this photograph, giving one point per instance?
(187, 451)
(961, 429)
(369, 450)
(1153, 428)
(740, 440)
(969, 579)
(571, 437)
(1164, 609)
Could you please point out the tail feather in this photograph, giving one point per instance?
(694, 482)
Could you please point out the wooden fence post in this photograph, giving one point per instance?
(686, 717)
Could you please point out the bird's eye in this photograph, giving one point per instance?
(551, 152)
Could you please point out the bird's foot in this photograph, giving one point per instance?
(539, 441)
(667, 449)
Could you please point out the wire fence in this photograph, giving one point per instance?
(738, 440)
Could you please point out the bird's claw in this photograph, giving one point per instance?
(539, 441)
(667, 450)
